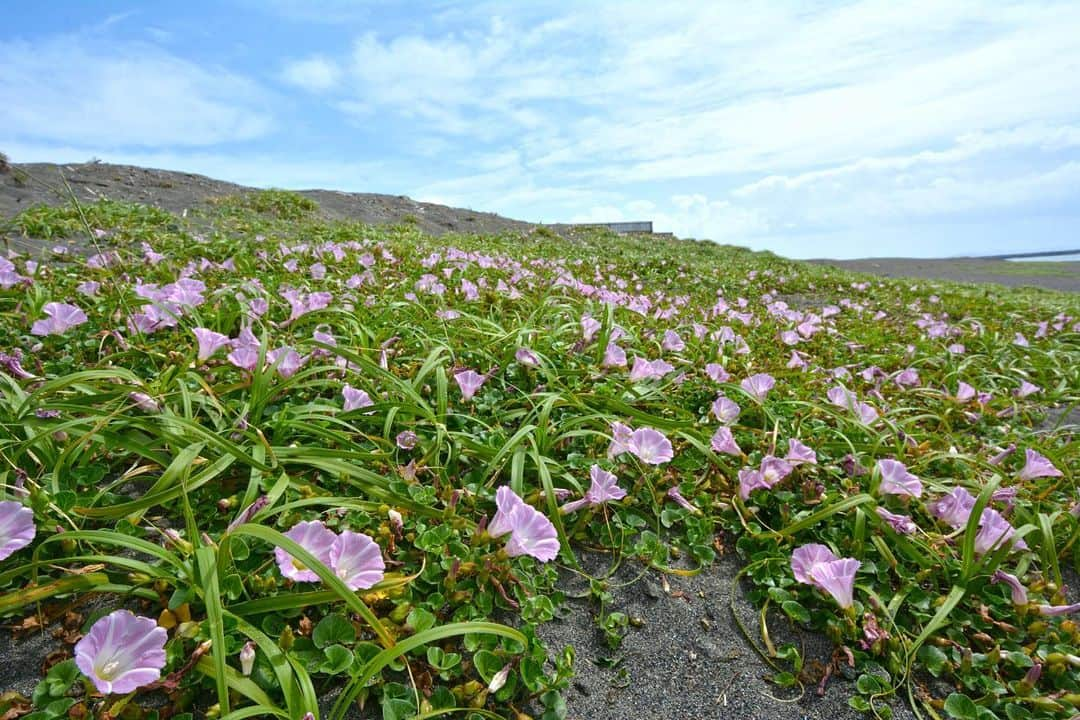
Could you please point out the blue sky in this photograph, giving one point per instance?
(853, 129)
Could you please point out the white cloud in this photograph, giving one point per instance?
(314, 74)
(70, 90)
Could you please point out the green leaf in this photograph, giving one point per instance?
(933, 658)
(338, 659)
(796, 611)
(333, 629)
(961, 707)
(858, 702)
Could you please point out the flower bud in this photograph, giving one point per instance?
(247, 658)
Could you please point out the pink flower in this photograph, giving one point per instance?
(144, 402)
(816, 565)
(531, 533)
(61, 318)
(908, 378)
(797, 361)
(314, 537)
(1058, 610)
(469, 381)
(896, 480)
(717, 372)
(602, 488)
(355, 399)
(357, 560)
(774, 469)
(285, 359)
(866, 413)
(1037, 466)
(17, 529)
(994, 532)
(620, 439)
(650, 446)
(681, 501)
(589, 327)
(614, 356)
(723, 441)
(900, 523)
(649, 370)
(406, 440)
(758, 385)
(1017, 589)
(1026, 389)
(750, 480)
(122, 652)
(672, 341)
(964, 393)
(725, 410)
(89, 288)
(953, 509)
(527, 357)
(841, 397)
(209, 342)
(798, 453)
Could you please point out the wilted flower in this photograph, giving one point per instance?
(758, 385)
(620, 439)
(144, 402)
(953, 509)
(406, 439)
(723, 441)
(1003, 455)
(531, 533)
(799, 454)
(896, 480)
(314, 537)
(357, 560)
(469, 381)
(249, 512)
(602, 488)
(816, 565)
(1019, 592)
(650, 446)
(122, 652)
(355, 399)
(681, 501)
(61, 318)
(900, 523)
(17, 529)
(1037, 466)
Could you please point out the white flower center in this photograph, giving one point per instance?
(108, 670)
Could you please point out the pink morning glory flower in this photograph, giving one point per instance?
(589, 327)
(531, 533)
(89, 288)
(1016, 588)
(650, 446)
(1058, 610)
(209, 342)
(620, 439)
(908, 378)
(774, 469)
(900, 523)
(964, 392)
(953, 509)
(649, 370)
(896, 480)
(602, 488)
(614, 356)
(285, 359)
(994, 532)
(406, 439)
(469, 381)
(355, 399)
(357, 560)
(17, 529)
(1026, 389)
(841, 397)
(122, 652)
(723, 441)
(866, 413)
(797, 361)
(799, 454)
(314, 537)
(144, 402)
(816, 565)
(678, 498)
(61, 318)
(672, 341)
(758, 385)
(751, 479)
(726, 410)
(1037, 466)
(527, 357)
(717, 373)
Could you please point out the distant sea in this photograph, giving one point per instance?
(1075, 257)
